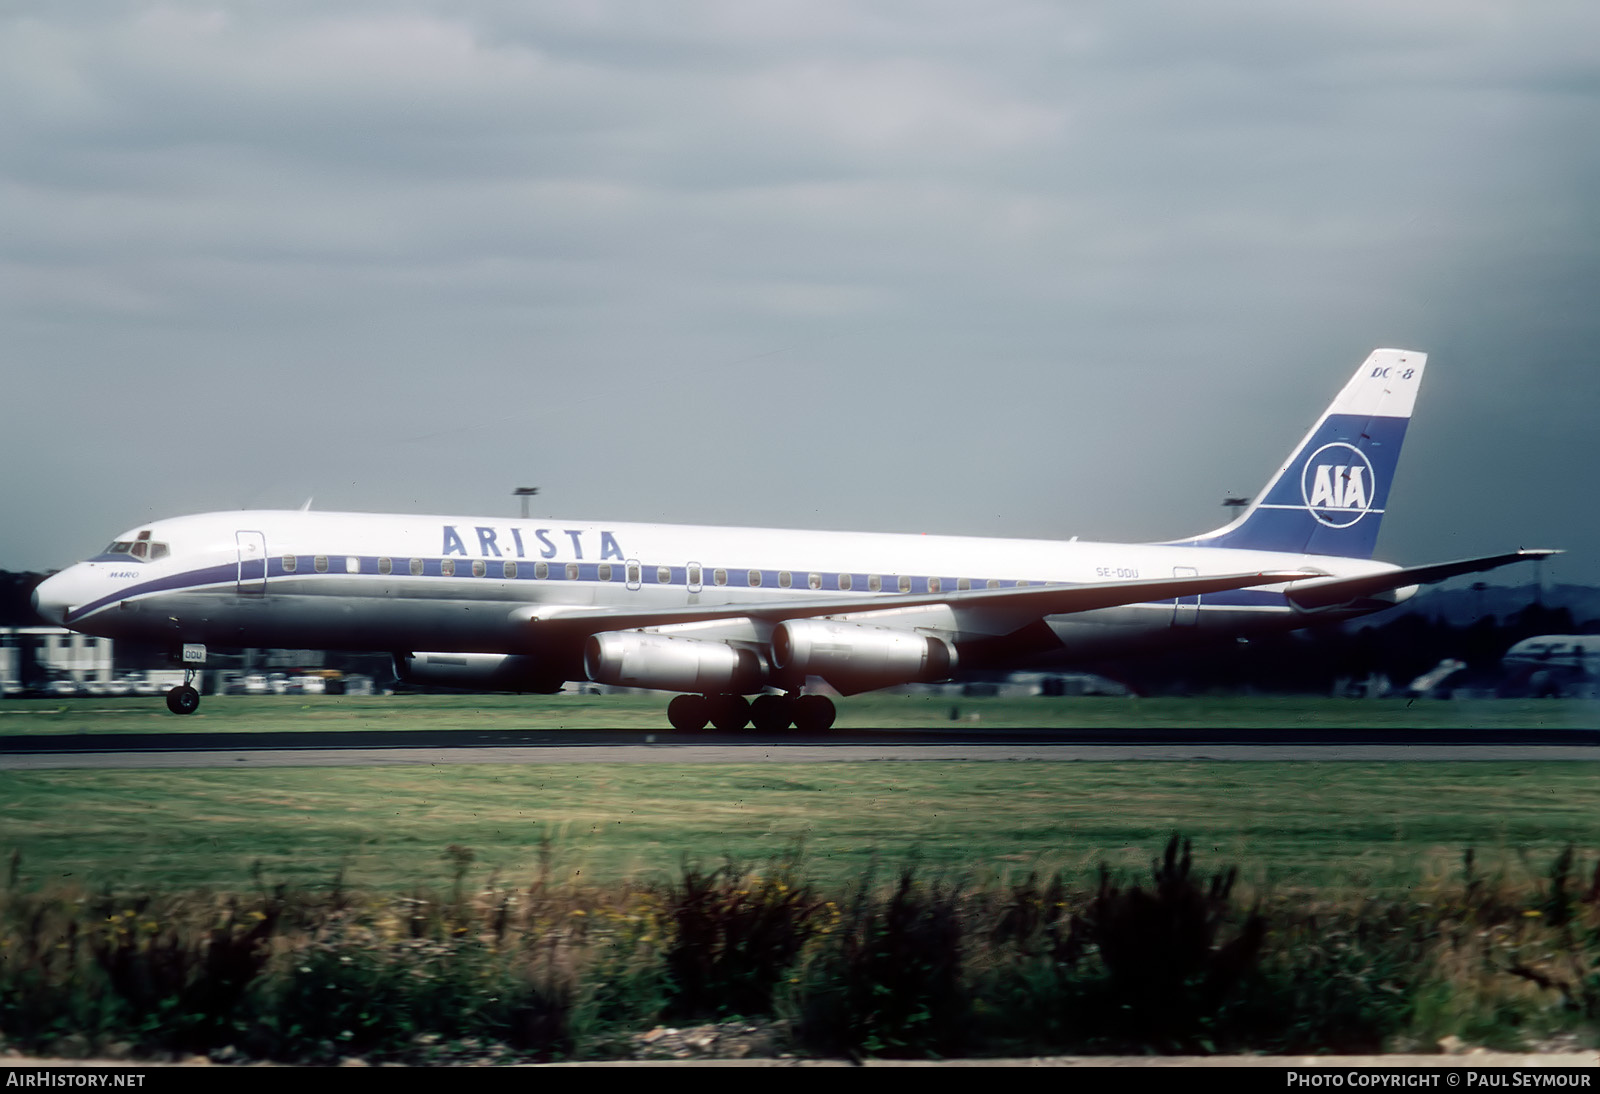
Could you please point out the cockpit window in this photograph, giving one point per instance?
(143, 548)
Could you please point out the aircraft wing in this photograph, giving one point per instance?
(1329, 592)
(1030, 602)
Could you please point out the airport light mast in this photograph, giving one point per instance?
(524, 492)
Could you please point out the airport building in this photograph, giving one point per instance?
(31, 657)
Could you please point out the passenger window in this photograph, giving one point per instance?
(479, 568)
(289, 563)
(992, 583)
(905, 584)
(448, 567)
(1023, 584)
(663, 575)
(814, 580)
(385, 566)
(352, 565)
(785, 579)
(572, 571)
(719, 577)
(509, 569)
(874, 583)
(416, 566)
(633, 573)
(963, 584)
(603, 571)
(694, 575)
(320, 564)
(935, 585)
(755, 578)
(845, 582)
(541, 570)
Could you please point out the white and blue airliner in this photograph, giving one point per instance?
(721, 614)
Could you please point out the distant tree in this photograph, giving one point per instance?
(1538, 619)
(16, 603)
(1310, 661)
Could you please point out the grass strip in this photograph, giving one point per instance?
(1328, 827)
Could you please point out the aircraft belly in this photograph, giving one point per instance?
(1140, 628)
(328, 622)
(1110, 631)
(351, 622)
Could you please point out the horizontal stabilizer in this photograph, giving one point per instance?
(1329, 592)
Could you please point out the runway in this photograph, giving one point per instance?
(412, 748)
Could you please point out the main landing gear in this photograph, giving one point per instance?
(184, 699)
(768, 713)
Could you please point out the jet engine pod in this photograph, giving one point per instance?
(476, 672)
(636, 660)
(854, 658)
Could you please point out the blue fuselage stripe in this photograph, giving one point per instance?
(304, 567)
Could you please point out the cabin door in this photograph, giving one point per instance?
(252, 563)
(1186, 609)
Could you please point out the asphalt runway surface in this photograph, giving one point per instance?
(374, 748)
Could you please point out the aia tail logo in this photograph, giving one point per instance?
(1337, 484)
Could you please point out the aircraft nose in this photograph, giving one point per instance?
(52, 598)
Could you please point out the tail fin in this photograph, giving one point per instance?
(1329, 496)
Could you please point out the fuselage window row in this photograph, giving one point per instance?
(665, 575)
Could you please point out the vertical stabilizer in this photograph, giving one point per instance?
(1330, 495)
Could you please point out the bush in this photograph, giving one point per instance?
(920, 968)
(735, 935)
(891, 984)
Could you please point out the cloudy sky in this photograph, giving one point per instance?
(1006, 268)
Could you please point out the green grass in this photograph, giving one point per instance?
(132, 901)
(1289, 824)
(1378, 828)
(534, 712)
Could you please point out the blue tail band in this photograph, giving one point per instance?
(1329, 498)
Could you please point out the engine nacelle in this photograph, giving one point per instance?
(476, 672)
(854, 658)
(634, 660)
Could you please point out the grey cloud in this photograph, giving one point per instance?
(1008, 269)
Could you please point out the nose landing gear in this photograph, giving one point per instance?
(184, 699)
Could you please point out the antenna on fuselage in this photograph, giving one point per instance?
(306, 508)
(524, 492)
